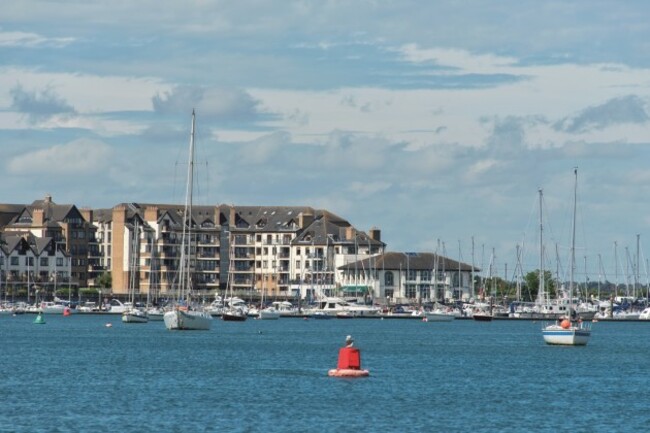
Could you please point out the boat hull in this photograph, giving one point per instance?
(269, 315)
(179, 320)
(135, 317)
(556, 335)
(439, 317)
(233, 317)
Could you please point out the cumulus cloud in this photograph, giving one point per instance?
(83, 156)
(223, 104)
(625, 109)
(39, 105)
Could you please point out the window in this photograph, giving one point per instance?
(389, 279)
(410, 291)
(29, 261)
(14, 261)
(43, 261)
(59, 261)
(412, 275)
(425, 275)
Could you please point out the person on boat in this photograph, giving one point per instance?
(349, 342)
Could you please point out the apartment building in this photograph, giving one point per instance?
(285, 251)
(64, 224)
(32, 267)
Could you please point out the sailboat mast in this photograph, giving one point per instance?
(573, 237)
(187, 216)
(541, 292)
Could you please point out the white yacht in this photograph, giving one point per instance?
(332, 306)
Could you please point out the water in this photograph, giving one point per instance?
(75, 374)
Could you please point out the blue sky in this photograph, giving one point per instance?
(436, 122)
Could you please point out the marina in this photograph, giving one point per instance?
(454, 376)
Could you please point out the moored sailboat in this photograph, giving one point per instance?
(182, 316)
(565, 332)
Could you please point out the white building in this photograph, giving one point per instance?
(32, 267)
(409, 277)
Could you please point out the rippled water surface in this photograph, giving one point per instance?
(76, 374)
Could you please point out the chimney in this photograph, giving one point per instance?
(119, 215)
(38, 218)
(350, 232)
(151, 214)
(375, 234)
(305, 219)
(87, 213)
(48, 199)
(232, 221)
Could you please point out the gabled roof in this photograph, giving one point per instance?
(272, 218)
(393, 261)
(8, 212)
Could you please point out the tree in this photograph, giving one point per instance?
(532, 282)
(105, 280)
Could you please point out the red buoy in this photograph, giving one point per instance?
(66, 311)
(349, 364)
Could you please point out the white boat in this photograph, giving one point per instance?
(215, 309)
(155, 314)
(135, 315)
(235, 309)
(439, 315)
(333, 305)
(286, 308)
(116, 306)
(645, 314)
(51, 308)
(182, 317)
(269, 313)
(566, 332)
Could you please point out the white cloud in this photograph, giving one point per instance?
(79, 157)
(462, 60)
(31, 40)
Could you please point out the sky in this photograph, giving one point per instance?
(436, 122)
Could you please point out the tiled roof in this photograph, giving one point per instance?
(394, 261)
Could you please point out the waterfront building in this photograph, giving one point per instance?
(409, 278)
(290, 252)
(32, 267)
(65, 224)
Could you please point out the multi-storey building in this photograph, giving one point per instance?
(285, 251)
(32, 267)
(65, 224)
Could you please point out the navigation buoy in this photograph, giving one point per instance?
(349, 364)
(565, 324)
(39, 319)
(108, 325)
(66, 311)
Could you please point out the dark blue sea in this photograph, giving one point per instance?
(74, 374)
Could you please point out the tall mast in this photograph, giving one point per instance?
(541, 296)
(573, 236)
(184, 277)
